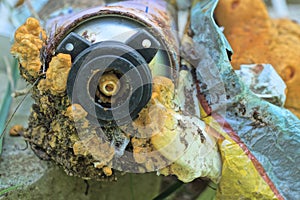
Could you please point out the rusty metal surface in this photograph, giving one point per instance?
(157, 16)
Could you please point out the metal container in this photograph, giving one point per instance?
(123, 45)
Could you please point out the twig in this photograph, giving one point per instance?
(19, 93)
(17, 108)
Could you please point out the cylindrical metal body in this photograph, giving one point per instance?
(106, 100)
(112, 20)
(145, 30)
(115, 53)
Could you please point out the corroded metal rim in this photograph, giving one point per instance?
(156, 16)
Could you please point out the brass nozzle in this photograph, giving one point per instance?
(109, 84)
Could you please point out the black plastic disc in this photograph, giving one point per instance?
(128, 65)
